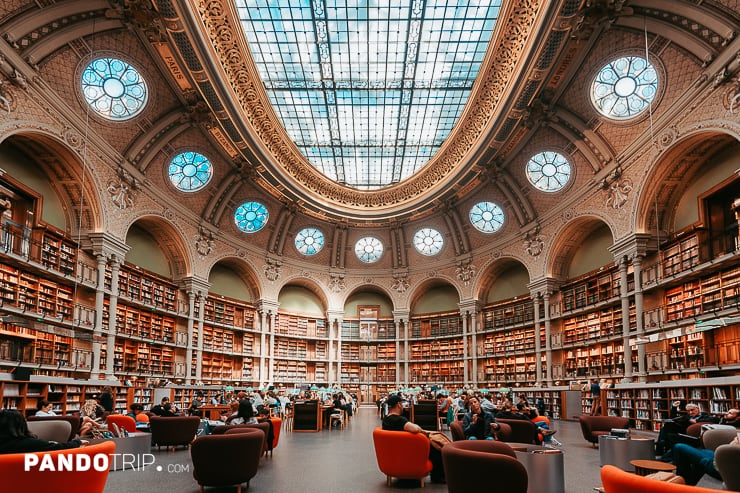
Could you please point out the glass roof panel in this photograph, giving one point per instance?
(368, 91)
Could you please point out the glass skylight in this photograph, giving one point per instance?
(428, 241)
(369, 249)
(190, 171)
(548, 171)
(113, 88)
(250, 217)
(309, 241)
(368, 94)
(487, 217)
(624, 87)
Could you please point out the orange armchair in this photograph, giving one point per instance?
(12, 470)
(615, 480)
(122, 422)
(277, 425)
(402, 455)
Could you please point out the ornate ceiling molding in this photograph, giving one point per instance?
(518, 24)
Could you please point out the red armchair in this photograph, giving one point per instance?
(522, 431)
(615, 480)
(402, 455)
(122, 422)
(12, 472)
(497, 459)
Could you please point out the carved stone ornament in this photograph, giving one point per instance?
(618, 192)
(400, 283)
(204, 243)
(121, 194)
(534, 244)
(336, 282)
(465, 271)
(6, 98)
(272, 269)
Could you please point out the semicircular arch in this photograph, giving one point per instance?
(570, 239)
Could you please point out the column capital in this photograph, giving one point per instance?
(542, 286)
(267, 306)
(196, 285)
(401, 315)
(469, 306)
(105, 244)
(633, 245)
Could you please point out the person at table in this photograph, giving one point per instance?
(44, 408)
(396, 421)
(692, 463)
(92, 415)
(244, 414)
(16, 438)
(668, 435)
(477, 422)
(165, 408)
(195, 404)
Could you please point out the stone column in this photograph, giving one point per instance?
(191, 333)
(639, 308)
(115, 267)
(548, 338)
(271, 350)
(625, 299)
(201, 300)
(537, 344)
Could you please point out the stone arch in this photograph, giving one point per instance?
(169, 239)
(423, 287)
(492, 272)
(243, 270)
(672, 173)
(306, 283)
(63, 164)
(371, 288)
(569, 239)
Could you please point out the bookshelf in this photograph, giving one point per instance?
(592, 289)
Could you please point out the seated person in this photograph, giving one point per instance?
(678, 423)
(477, 422)
(195, 404)
(692, 463)
(92, 415)
(244, 414)
(137, 412)
(443, 405)
(507, 412)
(44, 408)
(165, 408)
(16, 438)
(396, 421)
(732, 418)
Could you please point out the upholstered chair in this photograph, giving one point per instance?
(522, 431)
(53, 430)
(615, 480)
(122, 422)
(72, 419)
(402, 455)
(594, 426)
(227, 459)
(727, 459)
(496, 459)
(174, 430)
(15, 477)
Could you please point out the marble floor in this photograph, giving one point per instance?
(340, 461)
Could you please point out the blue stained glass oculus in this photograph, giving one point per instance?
(309, 241)
(369, 249)
(548, 171)
(624, 87)
(250, 217)
(428, 241)
(487, 217)
(368, 94)
(190, 171)
(113, 88)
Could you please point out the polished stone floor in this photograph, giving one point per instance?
(341, 461)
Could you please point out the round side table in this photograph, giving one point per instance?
(644, 467)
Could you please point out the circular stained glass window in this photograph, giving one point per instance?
(428, 241)
(113, 88)
(309, 241)
(368, 249)
(625, 87)
(548, 171)
(250, 217)
(487, 217)
(190, 171)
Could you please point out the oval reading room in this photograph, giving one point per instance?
(322, 245)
